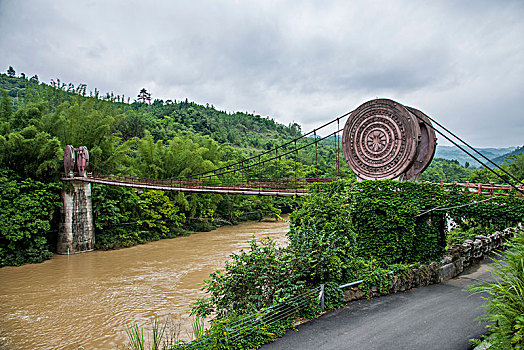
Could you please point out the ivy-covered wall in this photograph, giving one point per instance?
(399, 222)
(381, 218)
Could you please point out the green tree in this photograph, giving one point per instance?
(11, 71)
(31, 154)
(157, 212)
(144, 96)
(5, 111)
(514, 164)
(446, 170)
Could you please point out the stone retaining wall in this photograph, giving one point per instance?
(452, 264)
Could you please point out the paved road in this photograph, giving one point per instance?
(440, 316)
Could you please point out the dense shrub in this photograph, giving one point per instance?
(26, 212)
(470, 210)
(250, 281)
(505, 298)
(126, 217)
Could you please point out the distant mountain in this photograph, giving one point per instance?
(499, 160)
(453, 152)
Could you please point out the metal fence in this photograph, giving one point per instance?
(238, 329)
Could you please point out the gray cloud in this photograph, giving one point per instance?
(461, 62)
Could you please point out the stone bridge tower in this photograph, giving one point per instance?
(76, 232)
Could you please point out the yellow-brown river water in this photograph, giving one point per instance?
(84, 300)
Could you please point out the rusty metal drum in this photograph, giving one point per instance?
(69, 159)
(426, 147)
(82, 159)
(380, 139)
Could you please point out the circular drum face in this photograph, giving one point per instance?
(69, 159)
(380, 139)
(82, 159)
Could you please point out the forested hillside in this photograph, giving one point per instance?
(446, 170)
(454, 153)
(69, 113)
(507, 157)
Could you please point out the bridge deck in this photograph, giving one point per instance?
(259, 189)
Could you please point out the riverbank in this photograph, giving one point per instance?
(129, 234)
(85, 299)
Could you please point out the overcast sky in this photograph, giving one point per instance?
(461, 62)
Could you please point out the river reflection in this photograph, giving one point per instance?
(85, 299)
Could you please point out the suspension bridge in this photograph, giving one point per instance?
(256, 175)
(381, 139)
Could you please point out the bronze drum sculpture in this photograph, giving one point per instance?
(81, 161)
(383, 139)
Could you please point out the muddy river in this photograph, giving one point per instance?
(84, 300)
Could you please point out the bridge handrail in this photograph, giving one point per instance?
(284, 185)
(491, 189)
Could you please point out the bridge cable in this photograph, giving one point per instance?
(274, 158)
(472, 148)
(280, 146)
(475, 158)
(455, 207)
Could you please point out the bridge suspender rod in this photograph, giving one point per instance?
(338, 150)
(296, 154)
(259, 176)
(280, 167)
(277, 163)
(284, 154)
(472, 148)
(475, 158)
(280, 146)
(335, 148)
(316, 154)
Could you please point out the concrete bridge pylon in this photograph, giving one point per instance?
(76, 232)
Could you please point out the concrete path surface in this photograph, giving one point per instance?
(440, 316)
